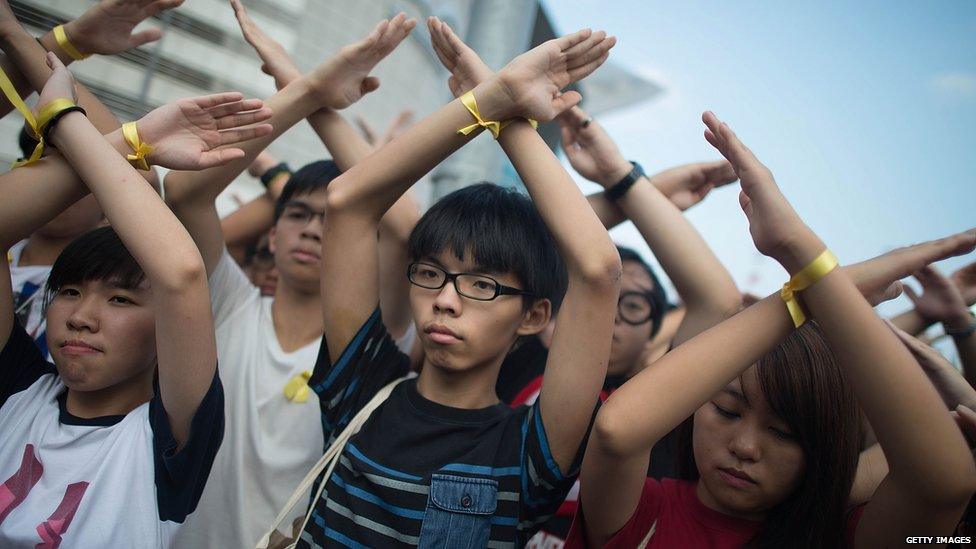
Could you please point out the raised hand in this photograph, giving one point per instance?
(344, 79)
(689, 184)
(106, 28)
(776, 229)
(878, 278)
(466, 67)
(186, 134)
(590, 150)
(275, 60)
(61, 84)
(940, 300)
(529, 86)
(965, 281)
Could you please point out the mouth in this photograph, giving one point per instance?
(736, 477)
(305, 256)
(441, 334)
(77, 347)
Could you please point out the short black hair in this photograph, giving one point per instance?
(309, 178)
(26, 142)
(504, 233)
(98, 254)
(659, 299)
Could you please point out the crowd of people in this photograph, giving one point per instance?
(327, 366)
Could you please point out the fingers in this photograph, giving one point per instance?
(229, 137)
(566, 100)
(219, 157)
(144, 37)
(369, 84)
(911, 295)
(156, 7)
(440, 48)
(213, 100)
(719, 173)
(570, 40)
(724, 139)
(581, 72)
(892, 291)
(577, 51)
(243, 119)
(574, 117)
(53, 62)
(456, 44)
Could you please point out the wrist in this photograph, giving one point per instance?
(494, 99)
(797, 252)
(61, 128)
(959, 321)
(619, 170)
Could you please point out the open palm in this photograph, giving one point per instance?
(187, 134)
(107, 28)
(466, 67)
(533, 80)
(345, 79)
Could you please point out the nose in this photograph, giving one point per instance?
(448, 300)
(745, 443)
(313, 229)
(84, 316)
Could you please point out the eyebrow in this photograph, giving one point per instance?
(736, 394)
(478, 270)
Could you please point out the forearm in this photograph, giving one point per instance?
(701, 280)
(607, 211)
(247, 223)
(151, 233)
(582, 240)
(629, 425)
(29, 56)
(36, 194)
(909, 430)
(952, 387)
(20, 82)
(966, 347)
(346, 145)
(910, 321)
(290, 105)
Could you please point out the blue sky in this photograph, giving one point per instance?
(865, 113)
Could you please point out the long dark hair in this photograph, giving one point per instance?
(804, 386)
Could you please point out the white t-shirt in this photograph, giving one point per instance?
(270, 442)
(112, 481)
(29, 284)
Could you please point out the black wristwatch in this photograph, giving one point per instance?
(268, 176)
(621, 187)
(964, 332)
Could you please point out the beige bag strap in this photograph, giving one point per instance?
(328, 462)
(647, 538)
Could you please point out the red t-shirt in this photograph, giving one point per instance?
(682, 521)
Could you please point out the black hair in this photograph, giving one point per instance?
(659, 300)
(504, 233)
(96, 255)
(308, 179)
(26, 142)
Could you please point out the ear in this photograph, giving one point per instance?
(271, 238)
(536, 318)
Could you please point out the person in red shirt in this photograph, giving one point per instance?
(775, 424)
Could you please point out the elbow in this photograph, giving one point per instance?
(600, 272)
(183, 275)
(339, 196)
(613, 433)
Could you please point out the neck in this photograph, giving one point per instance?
(117, 400)
(471, 389)
(297, 316)
(42, 250)
(706, 499)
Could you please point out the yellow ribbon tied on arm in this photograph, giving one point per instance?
(140, 150)
(11, 93)
(493, 126)
(66, 45)
(297, 389)
(817, 269)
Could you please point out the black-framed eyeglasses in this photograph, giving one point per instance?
(473, 286)
(635, 308)
(300, 214)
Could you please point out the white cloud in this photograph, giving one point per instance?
(955, 83)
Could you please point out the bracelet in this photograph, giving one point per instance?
(806, 277)
(66, 45)
(140, 149)
(53, 119)
(469, 103)
(268, 176)
(965, 332)
(14, 98)
(621, 187)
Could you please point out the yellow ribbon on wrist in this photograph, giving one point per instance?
(66, 46)
(297, 389)
(806, 277)
(140, 150)
(494, 126)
